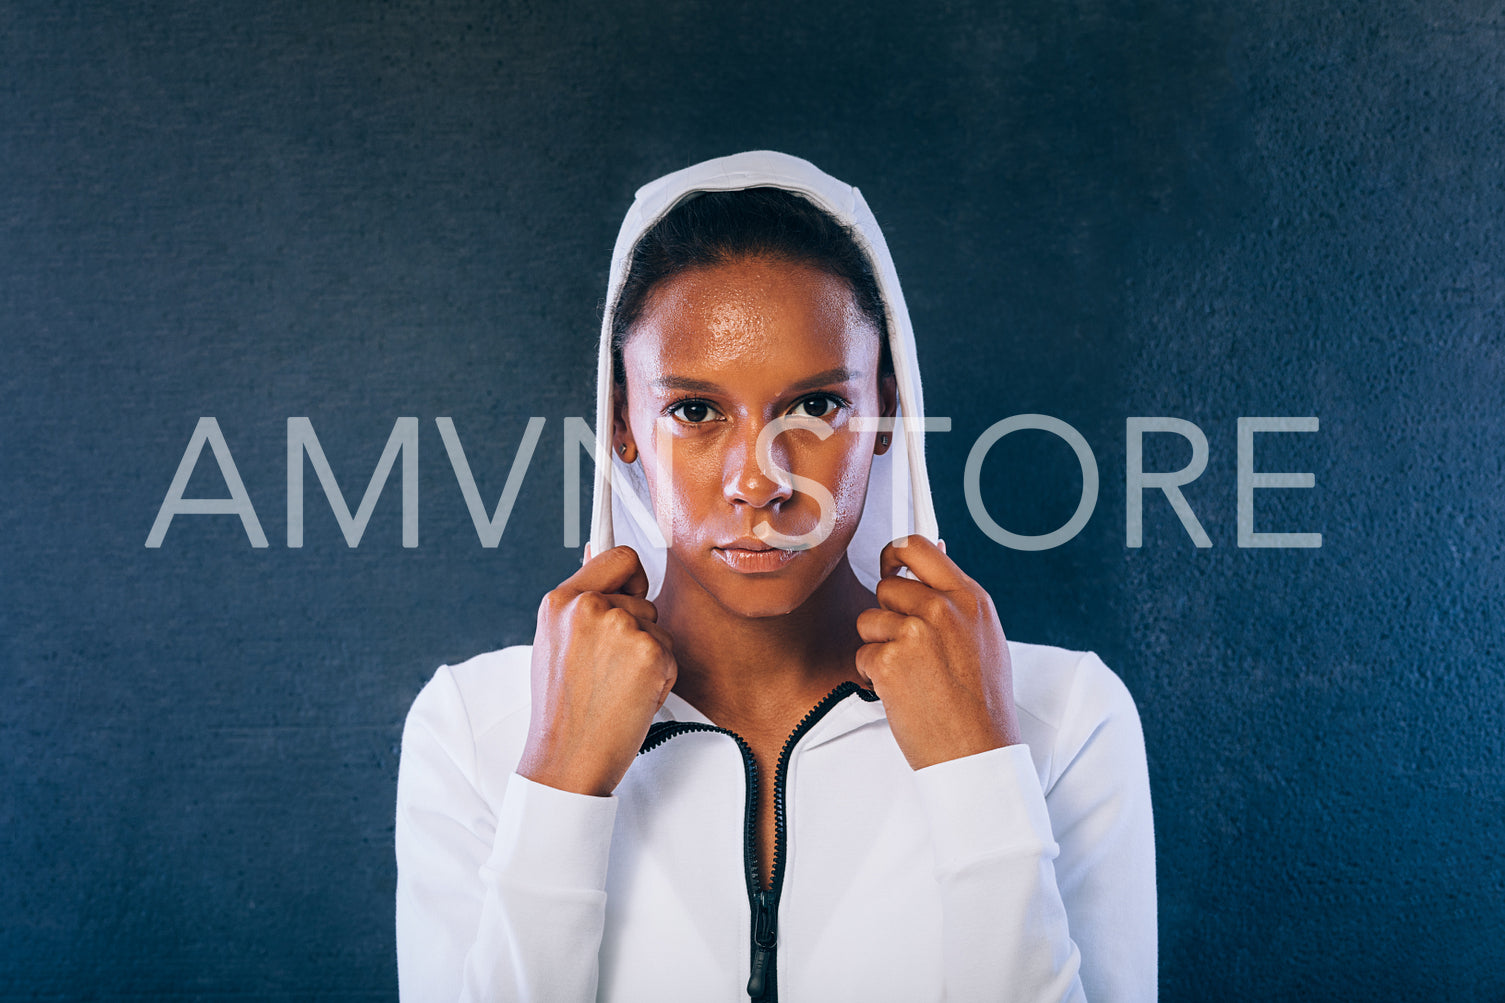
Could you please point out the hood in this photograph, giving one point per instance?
(898, 487)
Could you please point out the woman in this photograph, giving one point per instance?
(766, 743)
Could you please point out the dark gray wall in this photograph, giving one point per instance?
(1101, 209)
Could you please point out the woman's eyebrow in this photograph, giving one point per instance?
(685, 383)
(837, 375)
(691, 385)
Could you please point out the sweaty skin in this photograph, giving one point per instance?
(750, 635)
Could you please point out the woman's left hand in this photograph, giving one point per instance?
(936, 656)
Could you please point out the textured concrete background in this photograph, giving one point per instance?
(1100, 209)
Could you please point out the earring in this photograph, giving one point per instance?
(627, 457)
(883, 438)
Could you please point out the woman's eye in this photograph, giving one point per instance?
(815, 407)
(693, 412)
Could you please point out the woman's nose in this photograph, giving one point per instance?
(745, 480)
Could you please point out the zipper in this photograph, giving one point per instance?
(762, 982)
(765, 939)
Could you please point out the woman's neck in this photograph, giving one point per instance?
(752, 674)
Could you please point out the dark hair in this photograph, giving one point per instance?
(714, 228)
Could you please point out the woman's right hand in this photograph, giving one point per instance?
(602, 667)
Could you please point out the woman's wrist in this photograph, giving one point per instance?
(558, 771)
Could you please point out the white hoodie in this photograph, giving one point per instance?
(1024, 873)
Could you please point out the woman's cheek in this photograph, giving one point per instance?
(848, 486)
(661, 464)
(686, 482)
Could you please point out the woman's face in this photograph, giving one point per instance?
(720, 354)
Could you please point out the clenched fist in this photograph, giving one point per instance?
(937, 658)
(602, 667)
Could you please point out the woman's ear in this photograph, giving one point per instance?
(888, 407)
(621, 433)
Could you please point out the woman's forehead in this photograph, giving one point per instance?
(751, 313)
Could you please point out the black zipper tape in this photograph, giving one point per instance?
(762, 983)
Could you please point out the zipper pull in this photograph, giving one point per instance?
(765, 937)
(755, 982)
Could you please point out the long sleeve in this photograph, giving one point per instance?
(1099, 800)
(492, 905)
(1050, 895)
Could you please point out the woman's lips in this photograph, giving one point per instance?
(750, 557)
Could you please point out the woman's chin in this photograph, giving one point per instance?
(760, 599)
